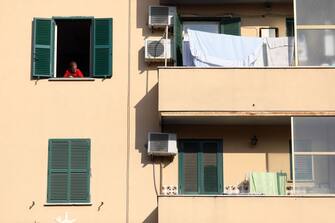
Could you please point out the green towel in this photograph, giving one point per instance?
(281, 179)
(268, 183)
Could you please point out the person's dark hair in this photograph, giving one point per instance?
(72, 63)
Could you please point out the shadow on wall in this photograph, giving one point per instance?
(147, 119)
(142, 23)
(153, 217)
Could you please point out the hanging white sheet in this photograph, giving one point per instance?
(280, 51)
(210, 49)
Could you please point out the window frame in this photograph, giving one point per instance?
(200, 167)
(54, 19)
(68, 201)
(94, 73)
(276, 29)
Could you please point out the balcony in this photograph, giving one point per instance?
(239, 209)
(246, 91)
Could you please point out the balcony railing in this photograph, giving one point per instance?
(214, 91)
(237, 209)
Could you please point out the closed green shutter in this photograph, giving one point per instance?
(210, 167)
(69, 171)
(178, 42)
(103, 50)
(43, 48)
(58, 171)
(200, 167)
(230, 26)
(189, 167)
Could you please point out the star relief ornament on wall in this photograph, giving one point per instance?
(66, 219)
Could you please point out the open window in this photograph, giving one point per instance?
(73, 40)
(58, 41)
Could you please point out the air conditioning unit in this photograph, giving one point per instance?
(161, 16)
(162, 144)
(158, 49)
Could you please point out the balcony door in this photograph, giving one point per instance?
(200, 167)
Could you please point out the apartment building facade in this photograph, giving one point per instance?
(75, 149)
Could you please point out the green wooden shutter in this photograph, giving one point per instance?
(189, 168)
(103, 50)
(177, 40)
(290, 27)
(43, 48)
(80, 171)
(200, 167)
(210, 167)
(230, 26)
(69, 171)
(58, 171)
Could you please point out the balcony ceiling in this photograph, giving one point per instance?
(217, 2)
(182, 120)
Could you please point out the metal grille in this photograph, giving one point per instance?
(155, 48)
(159, 142)
(159, 15)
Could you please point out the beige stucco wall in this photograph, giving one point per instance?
(297, 89)
(245, 209)
(34, 111)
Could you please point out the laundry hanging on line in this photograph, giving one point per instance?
(220, 50)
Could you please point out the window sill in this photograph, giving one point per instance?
(71, 79)
(68, 204)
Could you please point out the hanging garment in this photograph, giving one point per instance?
(187, 55)
(210, 27)
(211, 49)
(268, 183)
(280, 52)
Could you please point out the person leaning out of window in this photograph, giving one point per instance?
(73, 71)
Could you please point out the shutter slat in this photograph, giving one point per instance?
(43, 48)
(79, 190)
(58, 191)
(103, 42)
(79, 154)
(43, 32)
(59, 155)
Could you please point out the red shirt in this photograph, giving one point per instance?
(78, 73)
